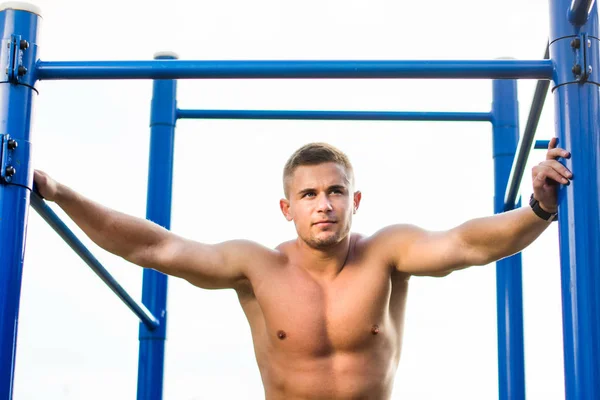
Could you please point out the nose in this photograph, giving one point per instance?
(323, 203)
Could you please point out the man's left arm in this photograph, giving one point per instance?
(482, 240)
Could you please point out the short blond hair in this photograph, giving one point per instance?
(315, 154)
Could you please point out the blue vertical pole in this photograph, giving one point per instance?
(19, 28)
(509, 286)
(160, 182)
(574, 51)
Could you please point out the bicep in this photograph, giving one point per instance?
(416, 251)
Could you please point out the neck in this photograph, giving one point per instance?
(324, 263)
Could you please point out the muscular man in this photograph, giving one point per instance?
(326, 310)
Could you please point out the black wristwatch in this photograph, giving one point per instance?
(540, 212)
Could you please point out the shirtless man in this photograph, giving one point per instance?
(326, 310)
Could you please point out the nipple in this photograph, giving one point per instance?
(375, 329)
(281, 335)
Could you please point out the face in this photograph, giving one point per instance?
(321, 204)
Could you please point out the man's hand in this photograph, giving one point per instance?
(47, 186)
(548, 175)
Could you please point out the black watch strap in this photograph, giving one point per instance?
(540, 212)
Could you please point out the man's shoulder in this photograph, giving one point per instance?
(391, 235)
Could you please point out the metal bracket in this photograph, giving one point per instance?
(12, 169)
(15, 70)
(581, 70)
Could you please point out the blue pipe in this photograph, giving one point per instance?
(526, 141)
(577, 118)
(40, 206)
(509, 286)
(334, 115)
(16, 100)
(160, 183)
(542, 144)
(185, 69)
(579, 11)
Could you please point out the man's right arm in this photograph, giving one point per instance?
(149, 245)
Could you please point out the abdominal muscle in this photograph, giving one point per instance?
(339, 376)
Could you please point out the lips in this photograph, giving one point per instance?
(324, 222)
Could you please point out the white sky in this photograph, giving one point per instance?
(77, 341)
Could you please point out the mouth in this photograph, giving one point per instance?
(324, 223)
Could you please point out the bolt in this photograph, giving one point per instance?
(575, 43)
(10, 170)
(576, 69)
(589, 69)
(589, 43)
(12, 144)
(22, 70)
(24, 44)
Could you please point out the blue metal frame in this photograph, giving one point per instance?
(185, 69)
(509, 285)
(575, 51)
(526, 140)
(40, 206)
(573, 67)
(15, 181)
(335, 115)
(160, 183)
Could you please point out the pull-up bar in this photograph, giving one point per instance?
(335, 115)
(40, 206)
(187, 69)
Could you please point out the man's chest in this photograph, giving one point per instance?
(303, 314)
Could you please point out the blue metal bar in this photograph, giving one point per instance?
(509, 286)
(542, 144)
(526, 141)
(579, 11)
(40, 206)
(185, 69)
(577, 119)
(334, 115)
(16, 101)
(160, 183)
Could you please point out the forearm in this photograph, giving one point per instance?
(116, 232)
(501, 235)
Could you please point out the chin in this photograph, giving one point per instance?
(325, 241)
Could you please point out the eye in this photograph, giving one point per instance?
(309, 194)
(337, 191)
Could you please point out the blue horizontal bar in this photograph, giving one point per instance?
(185, 69)
(40, 206)
(542, 144)
(334, 115)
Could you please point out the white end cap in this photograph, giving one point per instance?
(21, 6)
(166, 54)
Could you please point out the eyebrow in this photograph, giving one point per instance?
(330, 188)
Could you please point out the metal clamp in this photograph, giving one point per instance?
(15, 70)
(12, 169)
(581, 70)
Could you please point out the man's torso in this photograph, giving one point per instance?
(326, 339)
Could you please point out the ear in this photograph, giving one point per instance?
(284, 204)
(357, 198)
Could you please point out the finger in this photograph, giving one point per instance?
(553, 143)
(546, 173)
(556, 153)
(557, 166)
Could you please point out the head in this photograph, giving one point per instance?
(318, 182)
